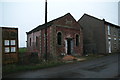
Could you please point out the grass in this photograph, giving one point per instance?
(22, 50)
(11, 68)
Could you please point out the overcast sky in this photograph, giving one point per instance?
(28, 14)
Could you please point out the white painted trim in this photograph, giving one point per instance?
(66, 46)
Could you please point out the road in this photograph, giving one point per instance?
(104, 67)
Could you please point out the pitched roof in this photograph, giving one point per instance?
(43, 26)
(98, 19)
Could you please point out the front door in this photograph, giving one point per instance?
(68, 46)
(109, 46)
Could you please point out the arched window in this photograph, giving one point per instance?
(59, 38)
(30, 42)
(77, 40)
(36, 41)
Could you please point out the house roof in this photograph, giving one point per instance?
(43, 26)
(99, 20)
(8, 27)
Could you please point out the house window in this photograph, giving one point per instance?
(59, 38)
(30, 41)
(6, 42)
(7, 49)
(109, 38)
(36, 41)
(77, 40)
(115, 39)
(108, 30)
(13, 49)
(12, 42)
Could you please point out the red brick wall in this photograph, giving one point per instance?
(70, 33)
(40, 48)
(67, 26)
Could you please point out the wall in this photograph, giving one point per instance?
(0, 52)
(40, 47)
(69, 33)
(67, 25)
(119, 12)
(94, 34)
(10, 34)
(114, 38)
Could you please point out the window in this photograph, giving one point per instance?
(59, 38)
(77, 40)
(114, 34)
(109, 38)
(13, 49)
(115, 39)
(12, 42)
(6, 42)
(7, 50)
(30, 41)
(9, 46)
(36, 41)
(108, 30)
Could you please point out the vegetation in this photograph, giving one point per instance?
(22, 50)
(11, 68)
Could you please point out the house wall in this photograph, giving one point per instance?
(114, 38)
(10, 34)
(0, 52)
(31, 44)
(67, 25)
(1, 44)
(69, 33)
(119, 39)
(94, 34)
(119, 24)
(39, 46)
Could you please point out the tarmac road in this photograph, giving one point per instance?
(105, 67)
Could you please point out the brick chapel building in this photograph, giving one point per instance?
(64, 37)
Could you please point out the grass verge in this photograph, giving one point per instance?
(22, 50)
(12, 68)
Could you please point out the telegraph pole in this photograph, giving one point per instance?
(46, 55)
